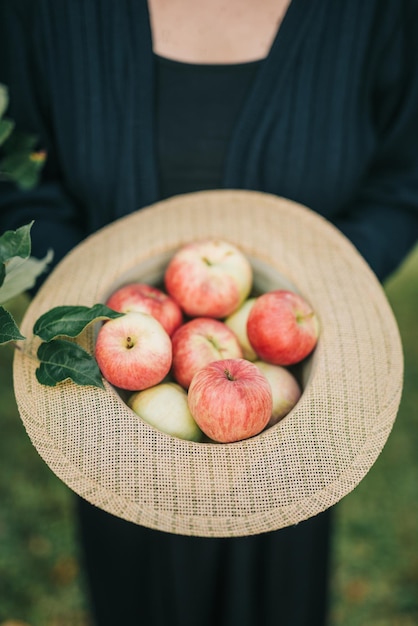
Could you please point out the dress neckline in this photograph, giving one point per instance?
(270, 76)
(177, 64)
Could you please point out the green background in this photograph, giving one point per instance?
(375, 555)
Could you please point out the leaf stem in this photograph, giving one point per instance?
(20, 348)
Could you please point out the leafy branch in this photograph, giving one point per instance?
(60, 357)
(18, 273)
(21, 162)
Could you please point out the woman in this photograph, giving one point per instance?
(314, 100)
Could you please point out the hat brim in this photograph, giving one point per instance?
(315, 456)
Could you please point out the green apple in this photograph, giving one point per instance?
(237, 322)
(165, 407)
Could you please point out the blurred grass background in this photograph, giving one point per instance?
(375, 556)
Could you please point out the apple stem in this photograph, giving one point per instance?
(129, 343)
(228, 375)
(206, 260)
(302, 318)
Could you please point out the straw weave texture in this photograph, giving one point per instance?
(322, 449)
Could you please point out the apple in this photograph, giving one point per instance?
(230, 400)
(165, 407)
(198, 342)
(285, 389)
(208, 278)
(237, 322)
(148, 299)
(134, 351)
(282, 327)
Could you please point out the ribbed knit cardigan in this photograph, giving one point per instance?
(331, 121)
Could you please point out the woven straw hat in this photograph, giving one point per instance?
(316, 455)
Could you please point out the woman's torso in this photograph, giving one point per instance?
(305, 129)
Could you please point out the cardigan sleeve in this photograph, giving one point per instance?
(58, 221)
(382, 220)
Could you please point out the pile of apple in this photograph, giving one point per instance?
(201, 356)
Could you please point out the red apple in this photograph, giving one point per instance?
(148, 299)
(285, 389)
(198, 342)
(230, 400)
(282, 327)
(237, 322)
(209, 278)
(134, 351)
(165, 407)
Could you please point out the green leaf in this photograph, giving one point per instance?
(21, 275)
(6, 128)
(21, 161)
(2, 273)
(23, 168)
(16, 243)
(8, 328)
(20, 142)
(4, 98)
(70, 321)
(62, 360)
